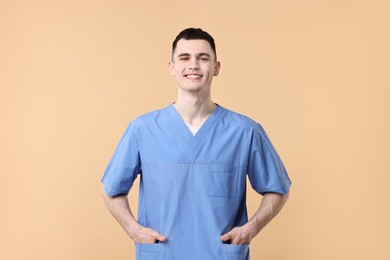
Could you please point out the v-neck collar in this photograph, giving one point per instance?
(183, 128)
(193, 143)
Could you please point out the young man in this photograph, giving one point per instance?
(193, 158)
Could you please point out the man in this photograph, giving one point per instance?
(193, 158)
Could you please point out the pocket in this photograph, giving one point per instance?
(234, 252)
(222, 184)
(150, 251)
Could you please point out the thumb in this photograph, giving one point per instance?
(225, 237)
(160, 237)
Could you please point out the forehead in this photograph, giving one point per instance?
(193, 47)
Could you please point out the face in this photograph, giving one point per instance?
(193, 65)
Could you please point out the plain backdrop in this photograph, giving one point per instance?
(314, 73)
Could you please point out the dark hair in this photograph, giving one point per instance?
(195, 34)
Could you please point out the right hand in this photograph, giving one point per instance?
(144, 235)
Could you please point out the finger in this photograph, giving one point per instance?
(145, 240)
(161, 238)
(239, 240)
(158, 236)
(235, 241)
(226, 237)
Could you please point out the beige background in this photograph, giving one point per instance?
(314, 73)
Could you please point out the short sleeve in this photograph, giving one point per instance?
(124, 166)
(266, 171)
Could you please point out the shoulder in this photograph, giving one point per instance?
(147, 118)
(240, 120)
(243, 123)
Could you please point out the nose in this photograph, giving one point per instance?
(194, 65)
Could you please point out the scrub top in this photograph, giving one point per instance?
(193, 188)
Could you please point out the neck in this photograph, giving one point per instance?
(194, 109)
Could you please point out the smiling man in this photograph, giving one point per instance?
(193, 158)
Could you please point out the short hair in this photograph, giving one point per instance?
(195, 34)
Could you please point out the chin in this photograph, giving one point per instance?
(192, 88)
(195, 90)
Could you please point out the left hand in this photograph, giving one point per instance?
(239, 235)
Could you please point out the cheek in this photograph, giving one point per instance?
(179, 70)
(211, 73)
(207, 70)
(175, 72)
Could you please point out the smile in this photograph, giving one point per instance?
(193, 76)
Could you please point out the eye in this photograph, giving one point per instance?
(204, 58)
(183, 58)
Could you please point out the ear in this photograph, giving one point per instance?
(217, 67)
(171, 68)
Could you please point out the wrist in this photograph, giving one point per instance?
(132, 229)
(255, 226)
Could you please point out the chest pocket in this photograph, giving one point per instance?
(224, 181)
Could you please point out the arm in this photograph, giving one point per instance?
(270, 206)
(120, 209)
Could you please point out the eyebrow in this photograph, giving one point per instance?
(183, 55)
(200, 54)
(204, 54)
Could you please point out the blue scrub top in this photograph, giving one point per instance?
(193, 188)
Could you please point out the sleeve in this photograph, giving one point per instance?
(266, 171)
(124, 166)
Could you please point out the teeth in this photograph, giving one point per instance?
(193, 76)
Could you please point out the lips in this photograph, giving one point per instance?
(193, 76)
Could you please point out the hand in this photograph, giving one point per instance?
(239, 235)
(144, 235)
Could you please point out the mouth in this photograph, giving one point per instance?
(193, 76)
